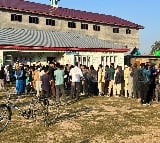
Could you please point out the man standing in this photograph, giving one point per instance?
(144, 84)
(119, 79)
(126, 81)
(152, 80)
(111, 73)
(59, 83)
(134, 74)
(100, 80)
(19, 80)
(84, 80)
(46, 83)
(51, 73)
(93, 84)
(76, 75)
(107, 80)
(37, 80)
(2, 76)
(130, 83)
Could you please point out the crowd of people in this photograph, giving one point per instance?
(53, 79)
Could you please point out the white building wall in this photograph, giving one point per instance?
(96, 58)
(84, 58)
(1, 58)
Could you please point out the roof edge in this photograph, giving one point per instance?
(80, 49)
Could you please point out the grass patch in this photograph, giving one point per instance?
(94, 119)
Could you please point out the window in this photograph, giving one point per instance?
(16, 17)
(96, 28)
(50, 22)
(84, 26)
(115, 30)
(83, 60)
(128, 31)
(33, 19)
(71, 25)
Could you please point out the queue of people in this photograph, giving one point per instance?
(52, 80)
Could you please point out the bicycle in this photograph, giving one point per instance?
(38, 106)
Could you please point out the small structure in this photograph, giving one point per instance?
(129, 59)
(135, 52)
(54, 3)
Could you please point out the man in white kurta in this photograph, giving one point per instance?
(76, 75)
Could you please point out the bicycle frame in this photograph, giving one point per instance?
(30, 112)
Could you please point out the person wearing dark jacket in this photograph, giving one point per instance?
(92, 80)
(52, 68)
(46, 83)
(111, 72)
(107, 80)
(141, 84)
(152, 82)
(119, 79)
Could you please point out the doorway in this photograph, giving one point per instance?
(51, 59)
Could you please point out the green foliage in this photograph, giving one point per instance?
(155, 47)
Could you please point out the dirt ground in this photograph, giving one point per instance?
(91, 120)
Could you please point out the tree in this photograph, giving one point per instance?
(155, 48)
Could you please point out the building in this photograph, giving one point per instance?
(33, 32)
(139, 59)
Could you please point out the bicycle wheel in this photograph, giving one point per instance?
(5, 116)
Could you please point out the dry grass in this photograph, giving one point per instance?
(91, 120)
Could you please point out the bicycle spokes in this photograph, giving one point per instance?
(5, 116)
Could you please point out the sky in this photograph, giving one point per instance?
(142, 12)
